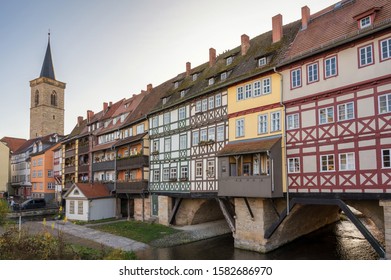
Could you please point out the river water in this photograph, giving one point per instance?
(338, 241)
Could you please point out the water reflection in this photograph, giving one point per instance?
(339, 241)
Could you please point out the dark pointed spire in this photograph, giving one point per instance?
(47, 66)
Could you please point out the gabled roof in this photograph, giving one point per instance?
(249, 146)
(13, 143)
(90, 191)
(47, 70)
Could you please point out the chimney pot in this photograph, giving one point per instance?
(90, 115)
(188, 68)
(79, 120)
(105, 105)
(245, 43)
(110, 103)
(277, 28)
(212, 57)
(149, 88)
(305, 17)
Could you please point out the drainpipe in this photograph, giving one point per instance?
(284, 137)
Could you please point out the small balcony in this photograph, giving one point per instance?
(132, 162)
(103, 165)
(69, 169)
(70, 153)
(132, 187)
(83, 149)
(83, 168)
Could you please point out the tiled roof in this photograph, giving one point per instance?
(249, 146)
(337, 23)
(91, 191)
(13, 143)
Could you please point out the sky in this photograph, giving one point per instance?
(106, 50)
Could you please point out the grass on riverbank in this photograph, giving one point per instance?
(139, 231)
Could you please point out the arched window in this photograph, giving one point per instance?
(36, 98)
(53, 99)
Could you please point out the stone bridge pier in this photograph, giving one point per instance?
(387, 226)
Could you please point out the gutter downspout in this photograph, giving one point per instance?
(284, 136)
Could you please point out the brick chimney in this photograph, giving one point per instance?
(305, 17)
(105, 106)
(149, 88)
(188, 69)
(212, 57)
(277, 28)
(245, 43)
(90, 115)
(79, 120)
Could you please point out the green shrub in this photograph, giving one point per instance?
(3, 210)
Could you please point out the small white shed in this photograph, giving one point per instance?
(88, 202)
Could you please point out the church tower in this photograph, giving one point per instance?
(47, 101)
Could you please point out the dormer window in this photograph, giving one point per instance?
(367, 18)
(211, 81)
(228, 61)
(164, 100)
(195, 76)
(262, 61)
(223, 76)
(176, 84)
(365, 22)
(183, 92)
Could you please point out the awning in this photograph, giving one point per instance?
(249, 146)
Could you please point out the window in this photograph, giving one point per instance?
(196, 138)
(166, 174)
(50, 173)
(167, 144)
(220, 133)
(155, 122)
(229, 60)
(182, 113)
(385, 47)
(262, 124)
(266, 86)
(36, 98)
(386, 158)
(155, 146)
(257, 88)
(80, 207)
(218, 100)
(184, 172)
(293, 165)
(182, 142)
(345, 111)
(204, 135)
(211, 102)
(330, 66)
(327, 163)
(156, 175)
(312, 73)
(326, 115)
(183, 93)
(223, 76)
(246, 169)
(176, 85)
(385, 103)
(275, 119)
(261, 61)
(292, 121)
(195, 76)
(140, 128)
(346, 161)
(166, 118)
(248, 91)
(72, 207)
(296, 78)
(53, 98)
(198, 106)
(199, 169)
(239, 93)
(204, 105)
(211, 81)
(240, 128)
(211, 168)
(211, 134)
(173, 175)
(365, 22)
(365, 56)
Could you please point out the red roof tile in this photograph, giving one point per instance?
(13, 143)
(248, 146)
(93, 190)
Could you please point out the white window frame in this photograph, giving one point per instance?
(248, 91)
(166, 118)
(262, 124)
(365, 55)
(173, 173)
(345, 111)
(294, 165)
(229, 60)
(220, 133)
(330, 67)
(182, 113)
(166, 174)
(257, 89)
(366, 22)
(184, 172)
(183, 142)
(239, 131)
(262, 61)
(296, 78)
(239, 93)
(196, 138)
(324, 118)
(312, 73)
(198, 106)
(167, 144)
(140, 128)
(212, 133)
(204, 135)
(156, 175)
(275, 119)
(199, 172)
(211, 168)
(223, 76)
(211, 81)
(330, 163)
(218, 100)
(211, 101)
(204, 105)
(266, 86)
(347, 162)
(385, 49)
(292, 121)
(388, 157)
(385, 105)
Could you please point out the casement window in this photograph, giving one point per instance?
(182, 113)
(50, 173)
(196, 138)
(240, 128)
(155, 146)
(296, 78)
(266, 86)
(182, 142)
(262, 124)
(211, 102)
(239, 93)
(385, 49)
(386, 158)
(204, 105)
(275, 122)
(166, 118)
(330, 67)
(166, 174)
(155, 122)
(327, 163)
(292, 121)
(211, 81)
(218, 100)
(346, 111)
(183, 92)
(176, 85)
(262, 61)
(220, 133)
(246, 169)
(80, 207)
(156, 175)
(195, 76)
(184, 172)
(198, 106)
(365, 55)
(223, 76)
(211, 134)
(199, 169)
(293, 165)
(365, 22)
(72, 207)
(257, 88)
(248, 91)
(385, 103)
(326, 115)
(173, 173)
(312, 73)
(204, 135)
(346, 162)
(167, 144)
(140, 128)
(211, 168)
(228, 60)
